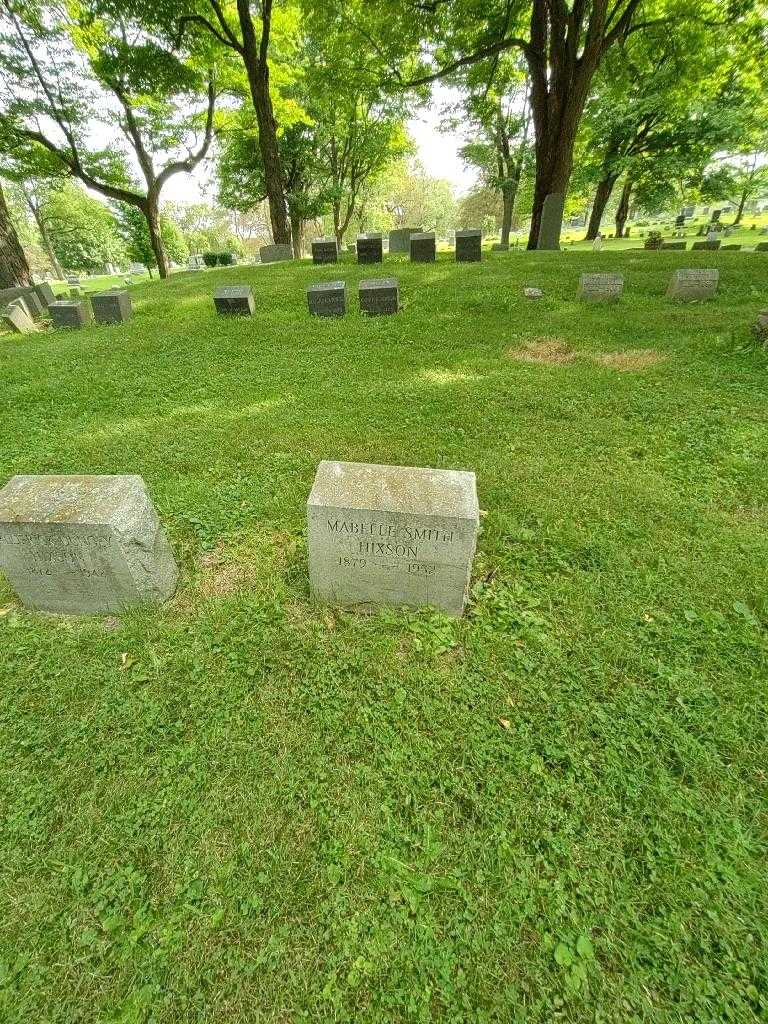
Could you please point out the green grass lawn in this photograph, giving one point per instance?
(243, 807)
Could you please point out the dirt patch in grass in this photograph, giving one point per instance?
(220, 574)
(549, 351)
(554, 351)
(630, 359)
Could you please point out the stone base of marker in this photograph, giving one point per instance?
(275, 253)
(600, 287)
(423, 247)
(370, 248)
(673, 245)
(70, 313)
(392, 535)
(500, 247)
(379, 295)
(325, 250)
(84, 544)
(234, 300)
(328, 298)
(693, 285)
(16, 318)
(469, 246)
(400, 239)
(710, 246)
(112, 307)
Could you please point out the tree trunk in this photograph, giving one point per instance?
(508, 198)
(42, 227)
(555, 139)
(297, 236)
(258, 79)
(602, 195)
(740, 211)
(152, 214)
(14, 269)
(622, 211)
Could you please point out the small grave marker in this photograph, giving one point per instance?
(379, 295)
(234, 300)
(397, 535)
(400, 239)
(469, 246)
(112, 307)
(600, 287)
(83, 544)
(275, 253)
(423, 247)
(325, 250)
(70, 313)
(533, 293)
(370, 248)
(709, 245)
(16, 317)
(693, 285)
(328, 298)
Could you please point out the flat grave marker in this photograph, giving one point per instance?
(396, 535)
(70, 313)
(423, 247)
(234, 300)
(275, 253)
(600, 287)
(83, 544)
(328, 298)
(693, 285)
(379, 295)
(710, 245)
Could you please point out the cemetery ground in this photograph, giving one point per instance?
(242, 806)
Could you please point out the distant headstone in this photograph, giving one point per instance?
(600, 287)
(730, 248)
(688, 211)
(137, 268)
(275, 253)
(533, 293)
(325, 250)
(716, 216)
(328, 298)
(70, 313)
(83, 544)
(396, 535)
(111, 307)
(469, 246)
(379, 295)
(680, 220)
(710, 244)
(400, 239)
(551, 221)
(423, 247)
(370, 248)
(761, 247)
(17, 319)
(73, 282)
(234, 300)
(500, 247)
(693, 285)
(45, 293)
(673, 245)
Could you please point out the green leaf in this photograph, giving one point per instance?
(584, 948)
(563, 954)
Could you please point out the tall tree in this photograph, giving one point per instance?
(72, 69)
(14, 269)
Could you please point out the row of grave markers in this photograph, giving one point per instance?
(31, 304)
(421, 245)
(395, 535)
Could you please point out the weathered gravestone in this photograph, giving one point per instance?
(400, 239)
(673, 245)
(709, 245)
(275, 253)
(469, 246)
(136, 268)
(17, 319)
(500, 247)
(73, 282)
(692, 285)
(600, 287)
(370, 248)
(379, 295)
(112, 307)
(328, 298)
(761, 247)
(760, 327)
(730, 248)
(551, 221)
(83, 544)
(325, 250)
(396, 535)
(423, 247)
(234, 300)
(70, 313)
